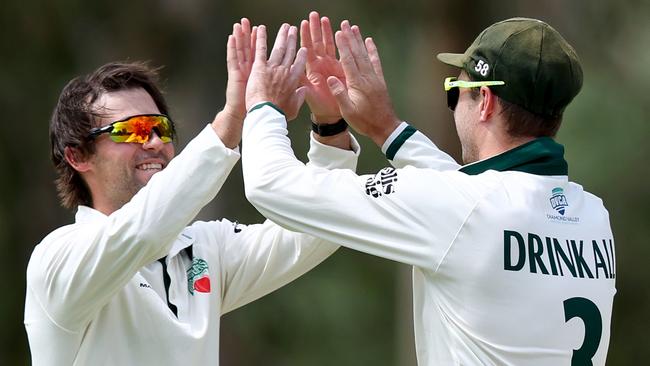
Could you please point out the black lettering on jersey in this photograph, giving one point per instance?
(547, 256)
(382, 183)
(580, 260)
(236, 227)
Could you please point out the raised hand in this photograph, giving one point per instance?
(316, 36)
(239, 60)
(363, 98)
(277, 79)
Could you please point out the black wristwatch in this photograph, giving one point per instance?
(329, 129)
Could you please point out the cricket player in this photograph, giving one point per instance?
(130, 283)
(513, 264)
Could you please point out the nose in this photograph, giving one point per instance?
(153, 143)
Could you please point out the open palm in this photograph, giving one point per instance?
(316, 36)
(240, 52)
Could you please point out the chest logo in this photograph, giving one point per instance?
(558, 200)
(198, 278)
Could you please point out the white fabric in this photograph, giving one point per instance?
(95, 290)
(456, 230)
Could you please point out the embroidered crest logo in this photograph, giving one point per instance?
(558, 200)
(198, 278)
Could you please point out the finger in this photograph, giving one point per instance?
(359, 51)
(337, 88)
(346, 31)
(316, 36)
(232, 62)
(347, 61)
(252, 46)
(305, 40)
(304, 81)
(291, 46)
(253, 39)
(297, 100)
(246, 31)
(373, 54)
(239, 42)
(280, 45)
(328, 37)
(345, 25)
(356, 31)
(260, 45)
(297, 70)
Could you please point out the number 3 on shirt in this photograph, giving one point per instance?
(590, 315)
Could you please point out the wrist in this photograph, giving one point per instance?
(341, 140)
(261, 104)
(328, 129)
(232, 113)
(228, 127)
(325, 119)
(381, 135)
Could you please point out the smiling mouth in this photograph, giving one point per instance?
(150, 166)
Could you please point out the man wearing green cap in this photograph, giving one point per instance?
(513, 264)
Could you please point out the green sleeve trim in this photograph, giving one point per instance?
(270, 105)
(399, 141)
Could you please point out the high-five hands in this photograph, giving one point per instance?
(352, 87)
(277, 79)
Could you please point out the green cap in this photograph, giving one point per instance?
(540, 69)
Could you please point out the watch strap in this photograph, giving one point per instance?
(331, 129)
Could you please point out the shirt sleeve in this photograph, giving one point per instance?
(255, 260)
(258, 259)
(407, 146)
(408, 215)
(77, 269)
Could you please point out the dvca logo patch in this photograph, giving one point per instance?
(558, 200)
(198, 278)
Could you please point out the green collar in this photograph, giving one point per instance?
(542, 156)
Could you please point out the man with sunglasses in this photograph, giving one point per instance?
(513, 264)
(130, 283)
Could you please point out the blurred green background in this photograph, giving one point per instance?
(353, 309)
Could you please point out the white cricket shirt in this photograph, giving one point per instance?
(140, 287)
(513, 264)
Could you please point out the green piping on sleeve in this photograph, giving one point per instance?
(270, 105)
(399, 141)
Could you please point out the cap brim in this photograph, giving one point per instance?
(453, 59)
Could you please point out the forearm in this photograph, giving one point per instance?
(264, 257)
(228, 126)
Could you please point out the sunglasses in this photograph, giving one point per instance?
(137, 129)
(453, 85)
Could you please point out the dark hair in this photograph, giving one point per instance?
(523, 123)
(74, 116)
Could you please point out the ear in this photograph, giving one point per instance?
(488, 104)
(76, 159)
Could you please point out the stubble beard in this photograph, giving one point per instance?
(123, 189)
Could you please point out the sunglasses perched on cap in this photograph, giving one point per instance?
(452, 85)
(137, 129)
